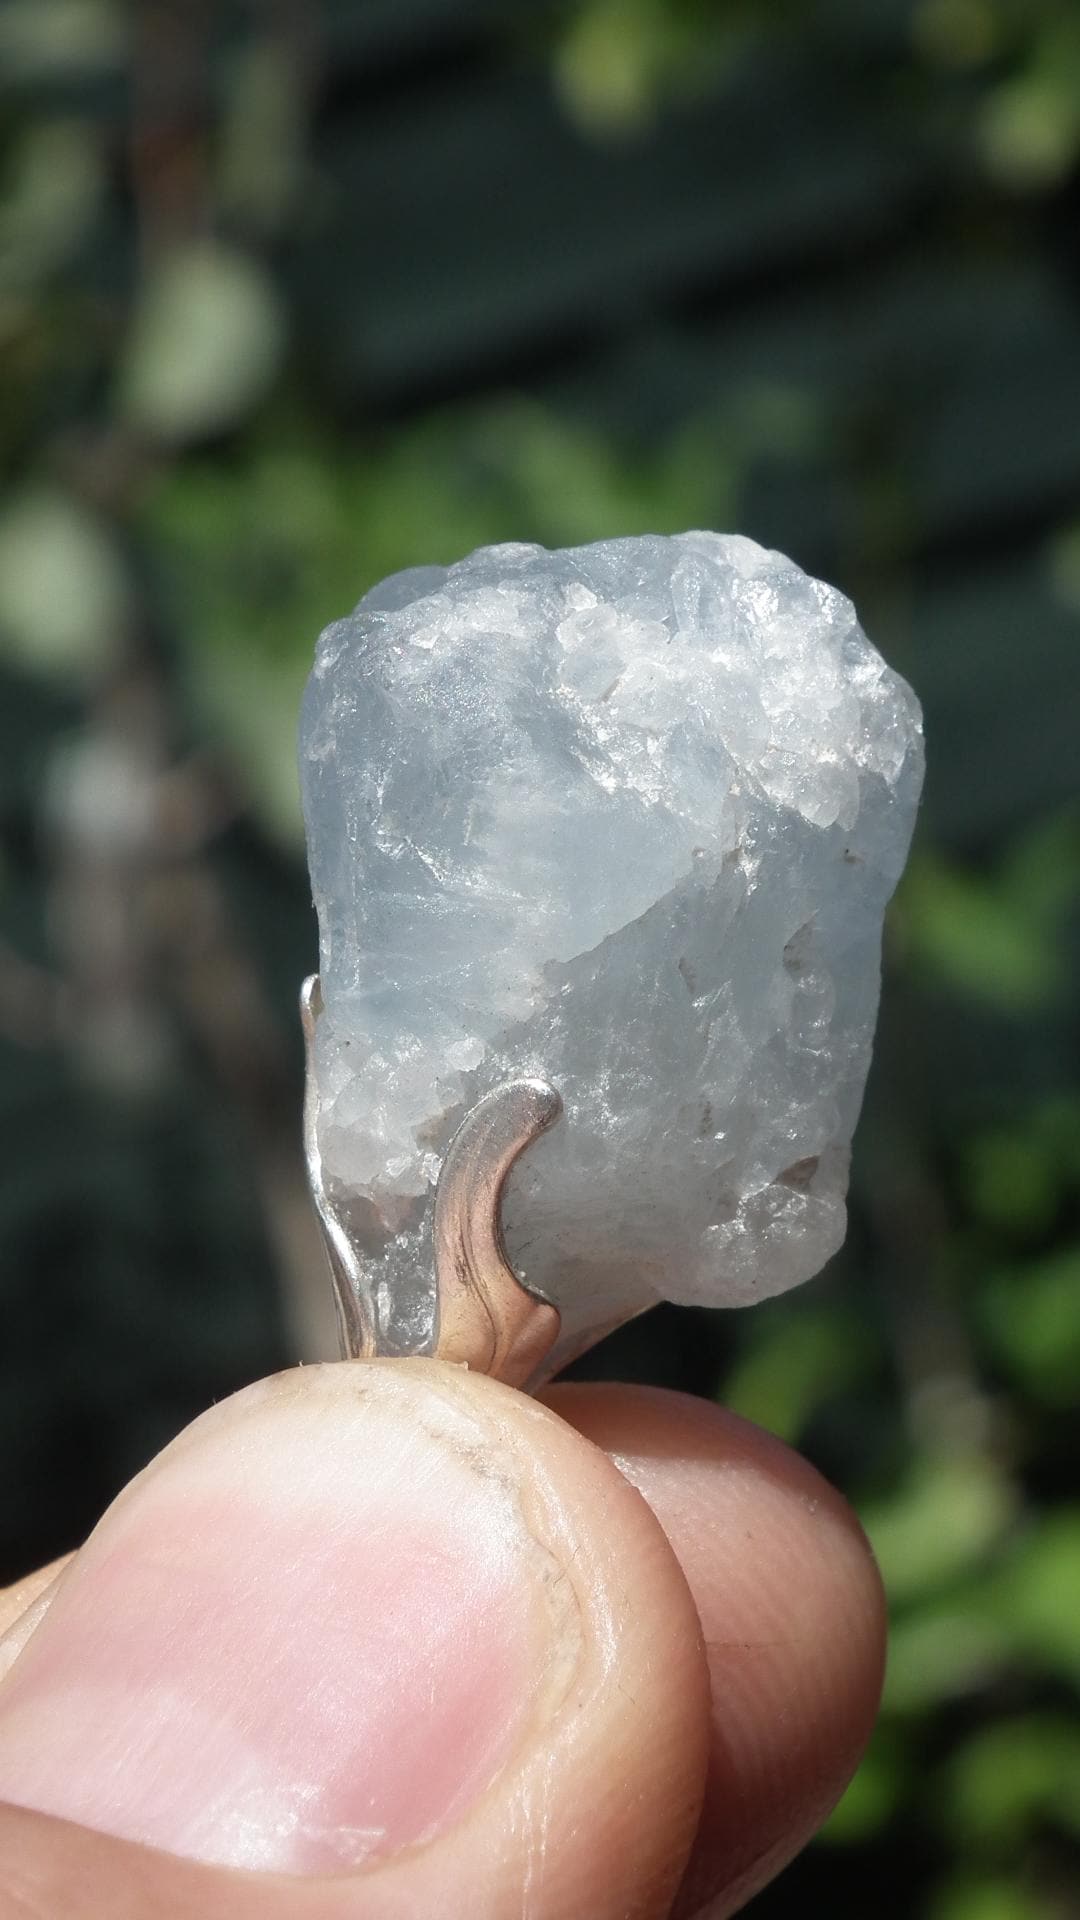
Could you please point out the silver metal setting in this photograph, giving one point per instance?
(355, 1325)
(485, 1316)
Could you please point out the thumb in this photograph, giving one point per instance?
(390, 1627)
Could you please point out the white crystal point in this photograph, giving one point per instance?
(625, 818)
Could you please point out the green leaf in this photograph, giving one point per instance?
(620, 60)
(944, 1520)
(956, 33)
(260, 165)
(1032, 1597)
(1040, 872)
(1013, 1776)
(1033, 1317)
(52, 199)
(1029, 132)
(63, 590)
(874, 1795)
(1011, 1180)
(799, 1359)
(207, 338)
(989, 1898)
(51, 39)
(979, 938)
(939, 1652)
(251, 704)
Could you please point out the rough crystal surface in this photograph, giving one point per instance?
(625, 816)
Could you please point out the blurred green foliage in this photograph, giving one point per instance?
(293, 295)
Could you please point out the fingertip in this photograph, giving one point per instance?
(793, 1615)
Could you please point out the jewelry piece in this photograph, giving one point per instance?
(604, 834)
(356, 1330)
(484, 1317)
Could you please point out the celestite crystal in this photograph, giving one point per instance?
(624, 816)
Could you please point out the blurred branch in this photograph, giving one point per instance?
(169, 123)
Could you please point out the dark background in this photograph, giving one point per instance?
(292, 295)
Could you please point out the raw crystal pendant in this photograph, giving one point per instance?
(600, 842)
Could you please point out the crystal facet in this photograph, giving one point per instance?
(624, 817)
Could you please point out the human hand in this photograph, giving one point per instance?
(407, 1644)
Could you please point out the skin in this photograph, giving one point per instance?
(612, 1657)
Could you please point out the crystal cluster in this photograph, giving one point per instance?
(626, 817)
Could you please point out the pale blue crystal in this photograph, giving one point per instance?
(627, 817)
